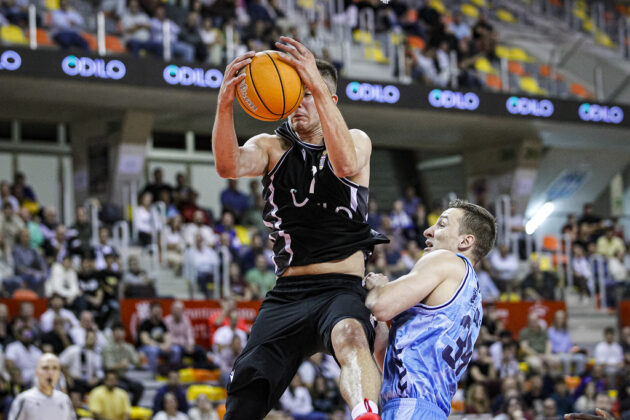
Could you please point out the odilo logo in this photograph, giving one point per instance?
(187, 76)
(93, 67)
(10, 60)
(372, 93)
(600, 113)
(448, 99)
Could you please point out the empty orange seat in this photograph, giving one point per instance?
(24, 294)
(493, 81)
(43, 38)
(545, 70)
(550, 243)
(517, 68)
(580, 91)
(114, 44)
(91, 40)
(416, 42)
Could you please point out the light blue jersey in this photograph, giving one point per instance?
(428, 351)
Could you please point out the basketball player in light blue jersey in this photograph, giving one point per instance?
(435, 314)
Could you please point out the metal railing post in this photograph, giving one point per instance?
(100, 33)
(32, 26)
(568, 252)
(166, 40)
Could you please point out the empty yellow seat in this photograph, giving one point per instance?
(603, 39)
(505, 16)
(12, 34)
(518, 54)
(306, 4)
(483, 65)
(52, 4)
(140, 413)
(214, 393)
(480, 3)
(470, 11)
(438, 5)
(588, 25)
(363, 37)
(502, 51)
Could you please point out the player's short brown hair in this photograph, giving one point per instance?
(478, 222)
(328, 73)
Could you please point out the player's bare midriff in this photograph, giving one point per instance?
(354, 265)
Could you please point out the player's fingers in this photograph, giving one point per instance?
(238, 66)
(288, 59)
(247, 56)
(297, 45)
(288, 50)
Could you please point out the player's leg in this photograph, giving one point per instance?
(280, 339)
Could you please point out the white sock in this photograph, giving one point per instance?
(363, 407)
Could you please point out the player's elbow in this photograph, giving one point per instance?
(346, 169)
(225, 171)
(378, 308)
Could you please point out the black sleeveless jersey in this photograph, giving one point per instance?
(313, 215)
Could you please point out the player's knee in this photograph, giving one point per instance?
(348, 335)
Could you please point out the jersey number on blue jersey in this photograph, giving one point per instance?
(464, 345)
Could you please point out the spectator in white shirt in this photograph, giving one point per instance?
(82, 364)
(63, 281)
(503, 268)
(203, 409)
(175, 244)
(223, 336)
(198, 227)
(104, 247)
(55, 308)
(136, 26)
(296, 399)
(582, 271)
(86, 321)
(145, 221)
(182, 50)
(66, 24)
(609, 354)
(170, 409)
(400, 219)
(459, 27)
(203, 263)
(22, 356)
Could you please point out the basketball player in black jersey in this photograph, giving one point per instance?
(315, 177)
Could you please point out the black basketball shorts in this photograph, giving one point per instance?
(296, 320)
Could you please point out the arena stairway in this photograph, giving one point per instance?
(587, 324)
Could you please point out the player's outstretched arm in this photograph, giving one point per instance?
(231, 160)
(388, 299)
(346, 149)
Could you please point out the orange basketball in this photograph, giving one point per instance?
(271, 89)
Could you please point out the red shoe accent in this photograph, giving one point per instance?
(369, 416)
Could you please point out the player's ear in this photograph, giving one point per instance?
(466, 242)
(335, 98)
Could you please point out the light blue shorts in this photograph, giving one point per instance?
(411, 409)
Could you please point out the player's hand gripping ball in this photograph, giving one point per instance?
(271, 90)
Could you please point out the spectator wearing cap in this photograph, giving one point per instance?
(63, 281)
(136, 27)
(81, 364)
(66, 24)
(120, 356)
(55, 309)
(108, 401)
(30, 267)
(154, 339)
(609, 354)
(610, 245)
(22, 356)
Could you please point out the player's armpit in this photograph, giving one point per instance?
(388, 300)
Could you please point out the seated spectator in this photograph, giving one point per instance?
(222, 318)
(325, 395)
(49, 223)
(203, 263)
(534, 342)
(238, 285)
(260, 278)
(10, 226)
(477, 401)
(111, 283)
(562, 397)
(5, 195)
(610, 245)
(539, 284)
(158, 185)
(19, 184)
(586, 402)
(5, 328)
(482, 369)
(81, 364)
(154, 340)
(223, 336)
(226, 227)
(589, 218)
(296, 399)
(484, 35)
(57, 247)
(182, 334)
(617, 269)
(400, 219)
(603, 402)
(80, 232)
(102, 248)
(535, 396)
(56, 340)
(550, 410)
(374, 216)
(509, 365)
(65, 27)
(504, 267)
(26, 318)
(30, 267)
(21, 356)
(583, 275)
(108, 401)
(213, 41)
(175, 244)
(225, 357)
(247, 257)
(318, 364)
(233, 200)
(190, 35)
(181, 50)
(55, 309)
(609, 354)
(136, 27)
(86, 323)
(63, 281)
(562, 347)
(625, 343)
(120, 356)
(170, 411)
(88, 277)
(199, 226)
(136, 282)
(489, 291)
(34, 229)
(174, 388)
(459, 27)
(145, 221)
(203, 409)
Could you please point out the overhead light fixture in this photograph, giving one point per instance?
(539, 218)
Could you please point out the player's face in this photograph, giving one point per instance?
(444, 234)
(48, 371)
(305, 119)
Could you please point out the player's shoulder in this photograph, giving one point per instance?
(360, 135)
(444, 260)
(269, 142)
